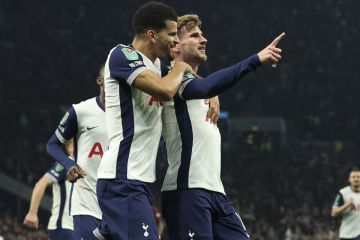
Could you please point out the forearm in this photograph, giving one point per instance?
(171, 82)
(164, 88)
(161, 228)
(56, 150)
(220, 81)
(336, 211)
(36, 196)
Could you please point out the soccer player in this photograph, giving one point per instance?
(133, 93)
(194, 203)
(85, 122)
(60, 224)
(347, 205)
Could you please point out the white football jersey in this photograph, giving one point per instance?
(133, 118)
(350, 224)
(60, 217)
(86, 123)
(193, 147)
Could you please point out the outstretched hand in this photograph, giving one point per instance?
(271, 54)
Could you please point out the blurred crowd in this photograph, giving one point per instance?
(281, 195)
(289, 195)
(11, 228)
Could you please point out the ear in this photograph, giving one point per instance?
(99, 80)
(150, 34)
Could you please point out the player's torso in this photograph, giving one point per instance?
(350, 225)
(91, 143)
(60, 217)
(133, 120)
(147, 117)
(186, 130)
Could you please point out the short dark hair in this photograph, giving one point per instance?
(355, 169)
(152, 15)
(101, 71)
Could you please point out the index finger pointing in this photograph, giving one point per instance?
(277, 40)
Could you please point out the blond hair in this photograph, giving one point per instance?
(189, 21)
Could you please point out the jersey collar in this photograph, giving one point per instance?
(99, 103)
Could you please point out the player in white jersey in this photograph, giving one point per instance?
(133, 93)
(60, 224)
(193, 200)
(347, 205)
(85, 122)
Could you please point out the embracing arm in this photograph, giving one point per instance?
(164, 88)
(64, 136)
(213, 113)
(127, 66)
(56, 150)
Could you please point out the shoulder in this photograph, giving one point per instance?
(188, 76)
(123, 54)
(124, 63)
(345, 190)
(85, 105)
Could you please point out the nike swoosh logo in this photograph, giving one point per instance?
(89, 128)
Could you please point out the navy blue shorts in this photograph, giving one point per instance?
(126, 208)
(61, 234)
(84, 226)
(357, 238)
(201, 214)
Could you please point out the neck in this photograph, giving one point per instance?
(355, 189)
(102, 97)
(194, 66)
(144, 47)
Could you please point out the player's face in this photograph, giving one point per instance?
(192, 46)
(354, 179)
(166, 39)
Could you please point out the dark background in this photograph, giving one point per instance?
(50, 53)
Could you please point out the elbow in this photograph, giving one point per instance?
(48, 146)
(166, 94)
(333, 214)
(166, 98)
(41, 183)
